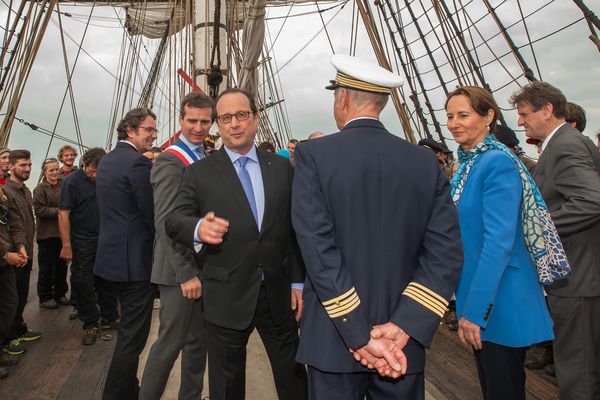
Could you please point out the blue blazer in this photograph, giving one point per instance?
(499, 288)
(380, 240)
(126, 208)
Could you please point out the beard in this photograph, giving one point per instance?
(21, 176)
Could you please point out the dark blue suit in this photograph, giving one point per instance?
(380, 240)
(124, 258)
(126, 208)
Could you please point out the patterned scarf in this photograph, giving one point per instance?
(541, 237)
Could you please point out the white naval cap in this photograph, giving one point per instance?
(354, 73)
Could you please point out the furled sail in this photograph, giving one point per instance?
(252, 44)
(151, 19)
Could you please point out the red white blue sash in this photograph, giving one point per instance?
(183, 152)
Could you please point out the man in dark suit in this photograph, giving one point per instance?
(124, 257)
(567, 175)
(379, 235)
(235, 207)
(174, 267)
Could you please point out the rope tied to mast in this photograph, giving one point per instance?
(215, 76)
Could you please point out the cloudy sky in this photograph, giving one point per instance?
(567, 59)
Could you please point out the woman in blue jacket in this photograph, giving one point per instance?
(506, 233)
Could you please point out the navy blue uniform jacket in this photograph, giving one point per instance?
(380, 240)
(126, 210)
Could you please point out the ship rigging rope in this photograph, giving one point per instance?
(24, 64)
(308, 42)
(353, 30)
(325, 27)
(280, 29)
(338, 4)
(69, 89)
(52, 134)
(537, 67)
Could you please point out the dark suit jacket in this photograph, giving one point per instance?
(567, 175)
(172, 263)
(126, 216)
(380, 240)
(231, 272)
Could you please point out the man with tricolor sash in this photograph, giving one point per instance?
(174, 269)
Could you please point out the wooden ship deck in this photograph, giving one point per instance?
(58, 366)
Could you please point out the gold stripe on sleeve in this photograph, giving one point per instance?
(339, 299)
(335, 307)
(351, 307)
(419, 298)
(430, 292)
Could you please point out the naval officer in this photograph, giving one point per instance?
(380, 239)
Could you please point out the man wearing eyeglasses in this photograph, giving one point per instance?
(124, 256)
(174, 268)
(234, 208)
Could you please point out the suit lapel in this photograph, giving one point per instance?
(231, 180)
(539, 168)
(266, 170)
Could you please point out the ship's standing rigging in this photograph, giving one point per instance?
(434, 44)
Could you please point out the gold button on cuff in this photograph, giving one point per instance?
(344, 319)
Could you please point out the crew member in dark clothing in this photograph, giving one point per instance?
(12, 237)
(78, 222)
(20, 168)
(507, 137)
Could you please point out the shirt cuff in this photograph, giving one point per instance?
(197, 242)
(297, 285)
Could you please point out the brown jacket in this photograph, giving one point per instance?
(12, 235)
(24, 203)
(45, 206)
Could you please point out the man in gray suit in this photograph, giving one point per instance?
(174, 268)
(567, 175)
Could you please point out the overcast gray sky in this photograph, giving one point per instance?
(568, 60)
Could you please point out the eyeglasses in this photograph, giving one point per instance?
(149, 129)
(240, 116)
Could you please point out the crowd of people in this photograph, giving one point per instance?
(355, 247)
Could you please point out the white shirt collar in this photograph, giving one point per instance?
(252, 154)
(189, 144)
(354, 119)
(129, 143)
(545, 142)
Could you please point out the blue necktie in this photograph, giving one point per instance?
(199, 153)
(247, 185)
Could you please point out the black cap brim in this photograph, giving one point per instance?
(333, 85)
